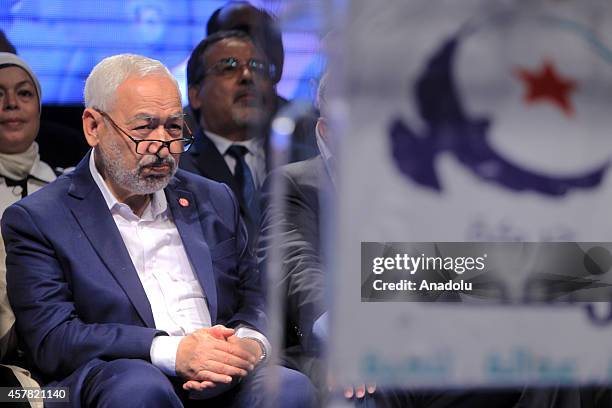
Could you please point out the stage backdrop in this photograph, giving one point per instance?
(474, 121)
(63, 39)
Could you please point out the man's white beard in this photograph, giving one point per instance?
(133, 180)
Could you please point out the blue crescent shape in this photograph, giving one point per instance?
(448, 128)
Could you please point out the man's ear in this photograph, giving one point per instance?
(91, 126)
(194, 100)
(323, 129)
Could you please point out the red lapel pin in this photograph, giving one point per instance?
(183, 202)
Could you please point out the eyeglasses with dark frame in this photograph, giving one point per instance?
(231, 66)
(175, 146)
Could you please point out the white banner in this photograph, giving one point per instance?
(473, 121)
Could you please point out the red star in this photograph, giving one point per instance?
(547, 85)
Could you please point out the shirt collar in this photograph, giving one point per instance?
(326, 154)
(255, 145)
(42, 171)
(157, 206)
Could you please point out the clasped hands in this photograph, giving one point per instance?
(213, 356)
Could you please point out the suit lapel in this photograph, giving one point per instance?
(91, 212)
(212, 165)
(187, 221)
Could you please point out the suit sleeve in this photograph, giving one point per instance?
(251, 308)
(47, 320)
(303, 279)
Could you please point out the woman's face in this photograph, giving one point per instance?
(19, 116)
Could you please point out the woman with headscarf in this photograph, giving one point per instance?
(21, 173)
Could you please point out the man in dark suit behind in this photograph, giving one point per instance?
(264, 30)
(132, 282)
(231, 91)
(308, 185)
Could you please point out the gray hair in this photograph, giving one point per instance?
(322, 94)
(105, 78)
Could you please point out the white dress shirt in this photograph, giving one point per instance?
(177, 300)
(255, 158)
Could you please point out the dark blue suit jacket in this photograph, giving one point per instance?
(76, 295)
(204, 159)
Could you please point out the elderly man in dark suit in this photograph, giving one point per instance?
(132, 282)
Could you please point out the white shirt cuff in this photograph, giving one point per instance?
(163, 353)
(245, 332)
